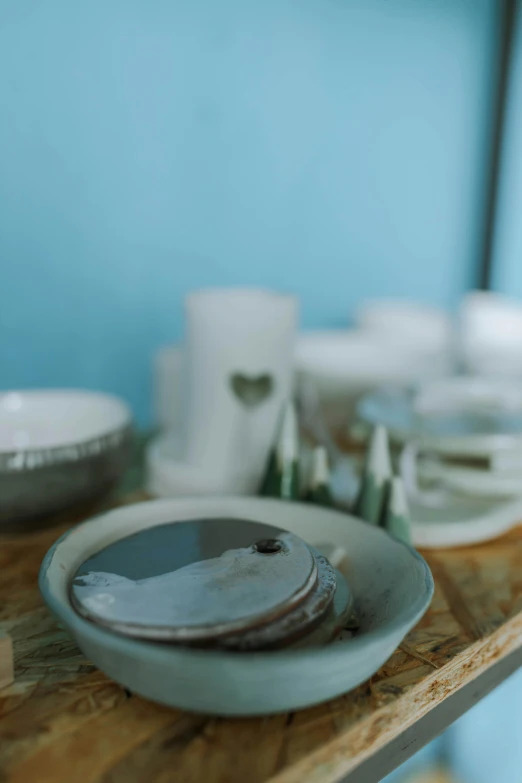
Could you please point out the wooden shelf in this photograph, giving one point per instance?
(62, 720)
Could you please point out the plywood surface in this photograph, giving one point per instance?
(6, 660)
(62, 720)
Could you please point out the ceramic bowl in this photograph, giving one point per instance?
(345, 364)
(58, 448)
(426, 328)
(391, 584)
(491, 334)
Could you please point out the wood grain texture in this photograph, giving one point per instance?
(6, 660)
(63, 720)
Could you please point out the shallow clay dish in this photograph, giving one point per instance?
(391, 584)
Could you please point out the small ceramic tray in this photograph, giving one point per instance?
(391, 584)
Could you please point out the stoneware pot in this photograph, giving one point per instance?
(391, 584)
(58, 449)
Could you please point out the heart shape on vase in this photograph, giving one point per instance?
(251, 391)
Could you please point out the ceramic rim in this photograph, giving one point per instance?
(17, 459)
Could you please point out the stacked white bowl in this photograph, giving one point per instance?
(393, 343)
(490, 327)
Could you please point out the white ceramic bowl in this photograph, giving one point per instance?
(343, 365)
(58, 448)
(491, 333)
(347, 362)
(401, 322)
(391, 584)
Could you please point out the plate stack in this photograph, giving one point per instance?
(461, 457)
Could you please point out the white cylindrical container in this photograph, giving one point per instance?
(167, 387)
(239, 356)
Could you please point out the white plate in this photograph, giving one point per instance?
(467, 416)
(469, 481)
(391, 583)
(169, 475)
(462, 521)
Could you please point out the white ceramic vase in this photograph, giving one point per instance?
(167, 384)
(239, 360)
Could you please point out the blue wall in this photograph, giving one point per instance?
(148, 147)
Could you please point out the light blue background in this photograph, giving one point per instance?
(148, 147)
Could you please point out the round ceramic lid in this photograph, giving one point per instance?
(472, 417)
(196, 580)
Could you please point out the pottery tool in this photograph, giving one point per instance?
(222, 583)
